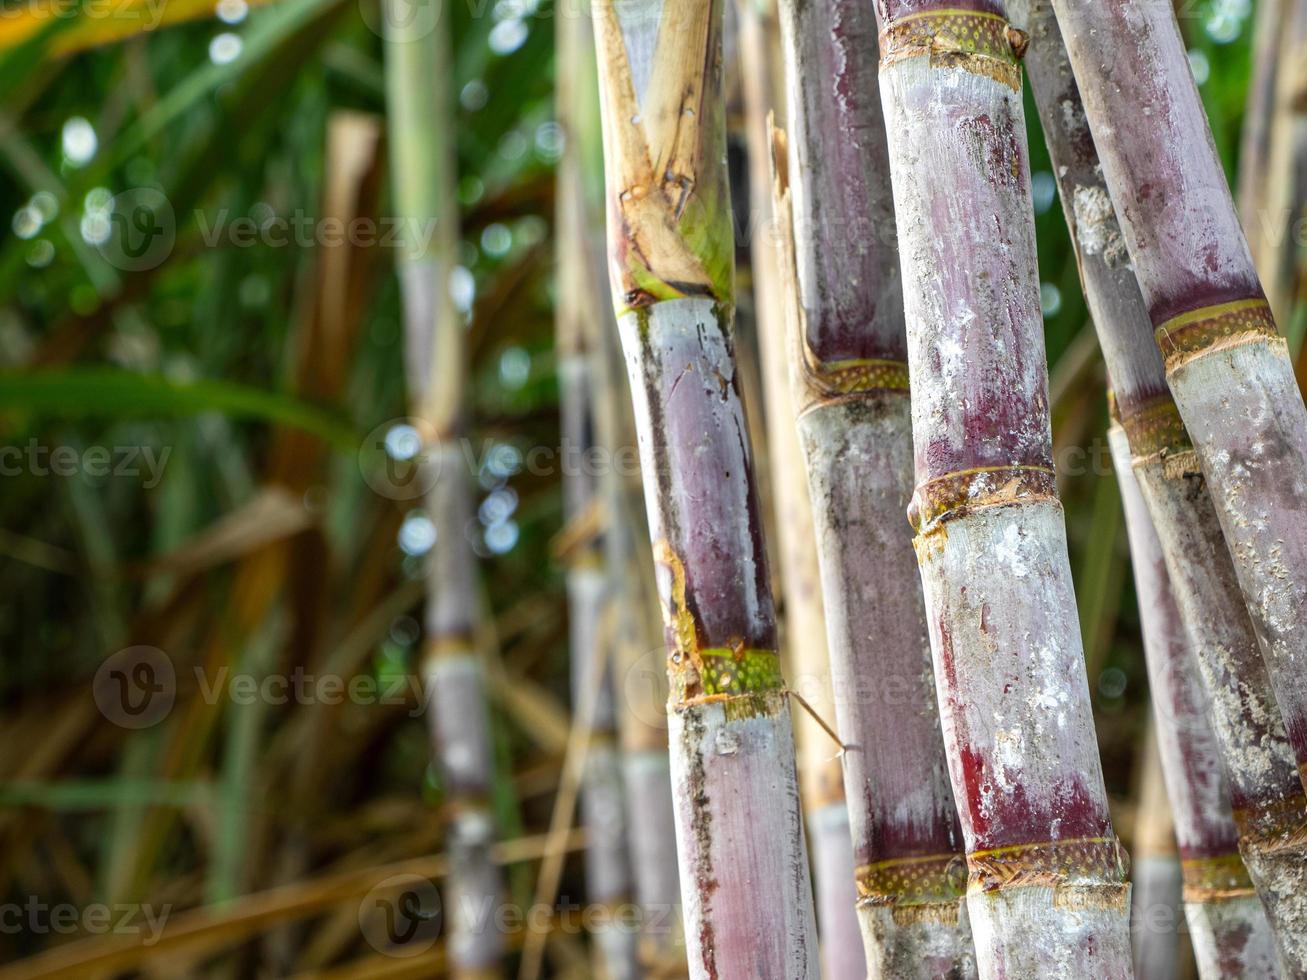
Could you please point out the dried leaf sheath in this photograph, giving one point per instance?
(745, 883)
(1237, 697)
(1047, 893)
(419, 105)
(849, 363)
(1227, 366)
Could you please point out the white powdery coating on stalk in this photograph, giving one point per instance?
(860, 471)
(962, 339)
(1242, 918)
(1254, 745)
(1252, 440)
(921, 947)
(1196, 233)
(740, 837)
(1028, 709)
(859, 457)
(1173, 673)
(1281, 878)
(1031, 935)
(1096, 224)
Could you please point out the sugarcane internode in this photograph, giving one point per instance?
(1190, 335)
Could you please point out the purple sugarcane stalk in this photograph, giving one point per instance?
(850, 378)
(423, 167)
(804, 634)
(744, 870)
(1249, 734)
(1047, 892)
(1227, 366)
(1230, 932)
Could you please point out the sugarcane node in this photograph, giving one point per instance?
(975, 41)
(949, 496)
(1075, 863)
(1154, 428)
(922, 880)
(1204, 331)
(1215, 877)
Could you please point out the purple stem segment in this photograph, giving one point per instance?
(1268, 802)
(849, 369)
(1228, 368)
(1048, 894)
(1230, 932)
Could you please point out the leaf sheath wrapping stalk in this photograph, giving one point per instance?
(1048, 893)
(1227, 367)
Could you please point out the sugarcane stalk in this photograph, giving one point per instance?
(804, 621)
(1229, 928)
(1284, 195)
(646, 767)
(423, 168)
(1255, 138)
(1226, 363)
(1157, 904)
(850, 378)
(1269, 805)
(740, 840)
(580, 353)
(1048, 894)
(644, 763)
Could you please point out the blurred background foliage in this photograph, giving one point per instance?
(262, 372)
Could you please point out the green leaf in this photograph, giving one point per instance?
(113, 393)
